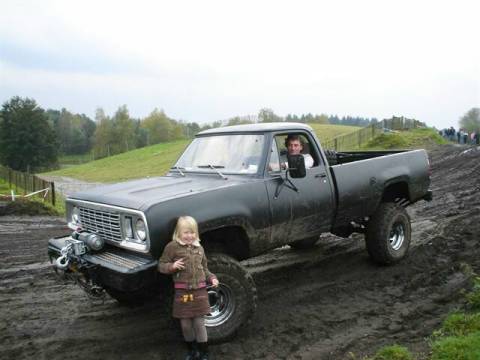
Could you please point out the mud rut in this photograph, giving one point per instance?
(320, 304)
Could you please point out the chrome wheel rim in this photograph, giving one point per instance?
(397, 236)
(222, 305)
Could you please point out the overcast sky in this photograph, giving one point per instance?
(211, 60)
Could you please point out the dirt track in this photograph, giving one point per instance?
(319, 304)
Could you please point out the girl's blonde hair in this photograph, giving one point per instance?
(185, 222)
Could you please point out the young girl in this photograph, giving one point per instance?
(184, 257)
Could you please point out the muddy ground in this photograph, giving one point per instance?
(327, 303)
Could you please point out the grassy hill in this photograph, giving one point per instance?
(156, 159)
(148, 161)
(411, 139)
(327, 132)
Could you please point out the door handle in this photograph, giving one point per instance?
(321, 175)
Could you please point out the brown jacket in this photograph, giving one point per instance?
(196, 270)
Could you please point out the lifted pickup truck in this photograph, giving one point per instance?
(248, 196)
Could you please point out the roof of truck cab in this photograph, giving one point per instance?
(261, 127)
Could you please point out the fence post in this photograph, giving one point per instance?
(335, 144)
(52, 189)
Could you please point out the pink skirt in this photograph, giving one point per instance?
(190, 303)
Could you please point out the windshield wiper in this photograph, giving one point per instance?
(214, 167)
(179, 169)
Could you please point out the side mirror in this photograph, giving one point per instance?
(296, 166)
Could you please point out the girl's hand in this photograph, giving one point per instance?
(215, 282)
(178, 265)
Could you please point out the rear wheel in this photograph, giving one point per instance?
(233, 302)
(388, 234)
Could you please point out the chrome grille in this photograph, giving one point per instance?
(104, 223)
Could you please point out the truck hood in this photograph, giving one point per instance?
(140, 194)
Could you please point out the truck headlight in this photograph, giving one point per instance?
(76, 215)
(140, 230)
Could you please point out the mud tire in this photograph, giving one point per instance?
(234, 302)
(307, 243)
(388, 234)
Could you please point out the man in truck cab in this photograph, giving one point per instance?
(295, 144)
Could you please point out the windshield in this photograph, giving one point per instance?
(226, 153)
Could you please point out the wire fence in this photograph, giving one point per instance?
(27, 185)
(357, 139)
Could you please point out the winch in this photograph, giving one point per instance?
(72, 247)
(75, 268)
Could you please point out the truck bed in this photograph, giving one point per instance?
(362, 177)
(335, 158)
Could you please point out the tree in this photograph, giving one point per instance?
(471, 120)
(124, 130)
(191, 129)
(27, 141)
(159, 127)
(74, 132)
(267, 115)
(237, 120)
(104, 136)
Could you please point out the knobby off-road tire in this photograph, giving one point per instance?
(388, 234)
(305, 243)
(234, 301)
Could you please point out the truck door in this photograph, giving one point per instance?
(308, 212)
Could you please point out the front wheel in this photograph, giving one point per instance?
(388, 234)
(233, 302)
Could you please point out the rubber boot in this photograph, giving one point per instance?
(203, 347)
(192, 353)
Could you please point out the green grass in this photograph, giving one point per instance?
(457, 348)
(148, 161)
(155, 160)
(32, 205)
(473, 297)
(457, 339)
(70, 160)
(393, 352)
(461, 324)
(328, 132)
(4, 188)
(411, 139)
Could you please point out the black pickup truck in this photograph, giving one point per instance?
(248, 196)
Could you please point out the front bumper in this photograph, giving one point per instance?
(110, 258)
(112, 267)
